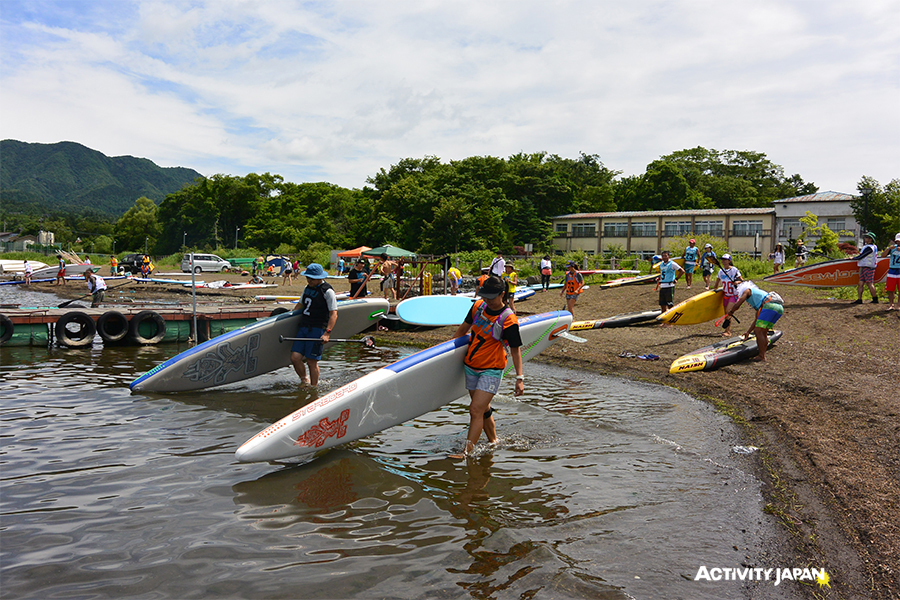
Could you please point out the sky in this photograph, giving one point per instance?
(337, 90)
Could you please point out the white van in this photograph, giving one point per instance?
(204, 262)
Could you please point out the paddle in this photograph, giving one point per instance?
(65, 304)
(368, 341)
(572, 338)
(721, 320)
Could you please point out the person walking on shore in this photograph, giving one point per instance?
(867, 260)
(730, 277)
(573, 286)
(778, 258)
(893, 274)
(708, 262)
(61, 270)
(546, 272)
(802, 254)
(494, 327)
(690, 261)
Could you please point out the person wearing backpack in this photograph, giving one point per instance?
(494, 328)
(769, 308)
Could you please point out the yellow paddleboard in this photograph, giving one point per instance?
(697, 309)
(678, 261)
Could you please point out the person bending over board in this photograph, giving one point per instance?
(494, 326)
(668, 277)
(769, 308)
(97, 287)
(318, 314)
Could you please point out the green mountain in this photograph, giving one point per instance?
(68, 177)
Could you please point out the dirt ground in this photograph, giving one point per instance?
(823, 409)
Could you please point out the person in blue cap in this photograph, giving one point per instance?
(318, 314)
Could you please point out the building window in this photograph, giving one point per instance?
(562, 228)
(709, 227)
(791, 228)
(615, 230)
(836, 224)
(584, 230)
(745, 228)
(643, 229)
(673, 228)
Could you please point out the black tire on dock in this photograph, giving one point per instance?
(134, 332)
(278, 311)
(112, 326)
(6, 329)
(80, 338)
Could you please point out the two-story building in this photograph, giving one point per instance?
(645, 233)
(751, 230)
(831, 208)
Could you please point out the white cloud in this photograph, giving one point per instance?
(335, 91)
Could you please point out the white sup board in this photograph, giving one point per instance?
(249, 351)
(389, 396)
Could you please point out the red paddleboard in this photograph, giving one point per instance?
(833, 273)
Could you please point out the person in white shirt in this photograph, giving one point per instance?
(96, 286)
(498, 266)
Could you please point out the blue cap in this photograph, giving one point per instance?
(314, 271)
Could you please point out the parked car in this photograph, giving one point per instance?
(132, 263)
(204, 262)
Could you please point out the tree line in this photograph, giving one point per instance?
(430, 206)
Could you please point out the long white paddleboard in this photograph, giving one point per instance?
(389, 396)
(249, 351)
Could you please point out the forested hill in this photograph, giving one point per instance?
(69, 177)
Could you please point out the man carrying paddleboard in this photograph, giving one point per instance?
(318, 314)
(668, 276)
(494, 327)
(769, 308)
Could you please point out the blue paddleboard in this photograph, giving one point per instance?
(435, 311)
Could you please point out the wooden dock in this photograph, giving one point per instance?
(76, 327)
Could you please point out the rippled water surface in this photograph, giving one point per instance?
(600, 488)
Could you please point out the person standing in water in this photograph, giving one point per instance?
(494, 327)
(318, 314)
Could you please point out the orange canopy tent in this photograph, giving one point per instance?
(355, 253)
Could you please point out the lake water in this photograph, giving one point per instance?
(600, 488)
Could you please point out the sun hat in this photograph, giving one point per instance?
(571, 263)
(493, 287)
(897, 238)
(869, 234)
(708, 246)
(314, 271)
(726, 257)
(692, 241)
(509, 265)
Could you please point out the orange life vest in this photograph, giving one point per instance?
(485, 351)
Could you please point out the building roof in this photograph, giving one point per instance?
(705, 212)
(818, 197)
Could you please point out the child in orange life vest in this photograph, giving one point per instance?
(573, 287)
(493, 327)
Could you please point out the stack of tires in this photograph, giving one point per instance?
(76, 329)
